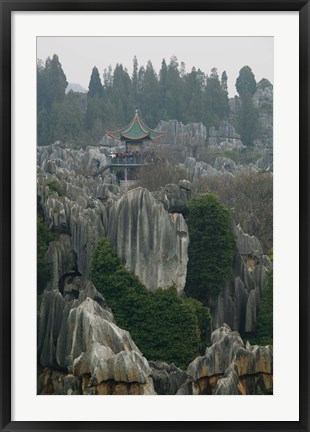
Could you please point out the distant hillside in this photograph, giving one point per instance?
(76, 88)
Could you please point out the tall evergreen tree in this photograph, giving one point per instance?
(150, 97)
(216, 101)
(55, 82)
(69, 124)
(122, 95)
(95, 86)
(174, 99)
(51, 86)
(248, 125)
(193, 85)
(224, 80)
(163, 114)
(134, 81)
(245, 82)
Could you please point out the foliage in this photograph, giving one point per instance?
(245, 83)
(44, 237)
(164, 326)
(216, 105)
(247, 124)
(249, 196)
(55, 187)
(173, 93)
(263, 83)
(211, 249)
(69, 119)
(95, 86)
(156, 176)
(264, 323)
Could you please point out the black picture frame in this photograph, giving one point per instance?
(6, 8)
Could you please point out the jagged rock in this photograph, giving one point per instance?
(247, 244)
(59, 155)
(125, 366)
(77, 334)
(151, 243)
(167, 378)
(265, 163)
(83, 219)
(192, 134)
(86, 326)
(185, 184)
(222, 166)
(224, 138)
(177, 197)
(230, 367)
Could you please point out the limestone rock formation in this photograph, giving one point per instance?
(78, 336)
(167, 378)
(88, 208)
(190, 135)
(238, 303)
(229, 367)
(151, 242)
(81, 161)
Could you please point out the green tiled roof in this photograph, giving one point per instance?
(136, 130)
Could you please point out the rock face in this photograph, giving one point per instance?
(151, 242)
(78, 336)
(167, 378)
(190, 135)
(230, 368)
(238, 304)
(135, 222)
(81, 161)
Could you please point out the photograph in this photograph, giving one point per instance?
(154, 215)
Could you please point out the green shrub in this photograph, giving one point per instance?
(164, 326)
(264, 323)
(211, 249)
(55, 187)
(44, 237)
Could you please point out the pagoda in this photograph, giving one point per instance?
(134, 135)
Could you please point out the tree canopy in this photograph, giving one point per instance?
(211, 249)
(111, 100)
(163, 325)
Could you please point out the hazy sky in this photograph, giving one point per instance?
(78, 55)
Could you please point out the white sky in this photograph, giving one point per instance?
(78, 55)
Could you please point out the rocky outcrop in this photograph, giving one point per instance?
(238, 303)
(167, 378)
(224, 138)
(221, 166)
(151, 242)
(229, 367)
(86, 208)
(81, 161)
(178, 134)
(77, 335)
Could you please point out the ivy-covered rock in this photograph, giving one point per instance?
(211, 249)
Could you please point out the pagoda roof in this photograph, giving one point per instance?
(136, 130)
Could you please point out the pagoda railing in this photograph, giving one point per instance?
(129, 160)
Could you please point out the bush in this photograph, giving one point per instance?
(249, 195)
(264, 323)
(164, 326)
(44, 237)
(211, 249)
(55, 187)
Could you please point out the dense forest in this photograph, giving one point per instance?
(112, 97)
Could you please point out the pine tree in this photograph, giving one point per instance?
(95, 86)
(245, 82)
(216, 101)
